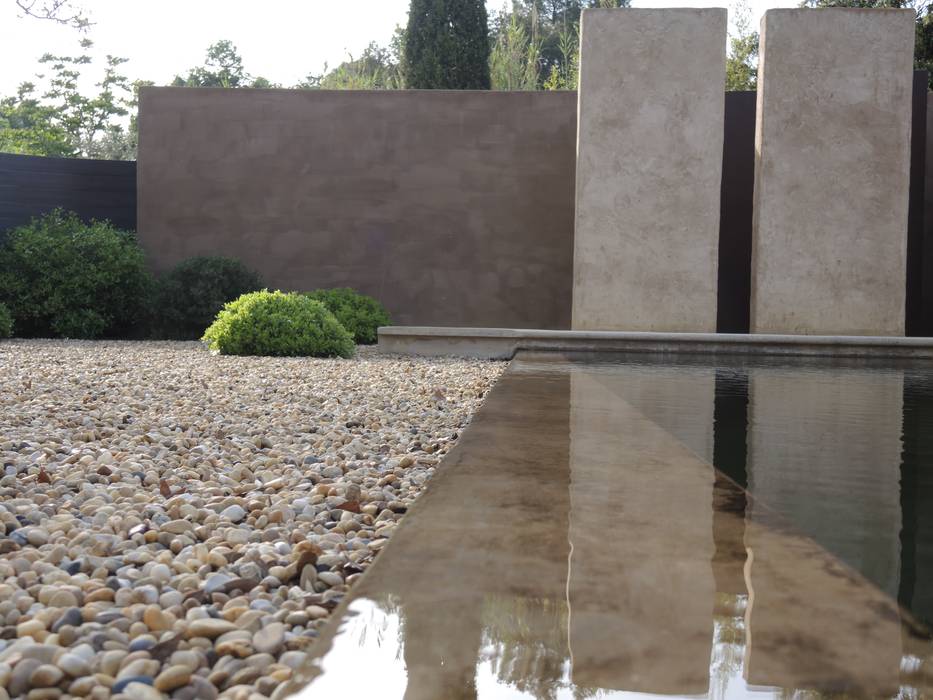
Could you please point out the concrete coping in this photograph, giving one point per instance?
(503, 343)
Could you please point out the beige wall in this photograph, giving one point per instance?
(832, 172)
(649, 169)
(453, 208)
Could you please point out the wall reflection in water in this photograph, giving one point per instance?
(611, 560)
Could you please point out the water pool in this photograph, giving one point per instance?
(631, 526)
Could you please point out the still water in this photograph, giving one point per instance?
(637, 526)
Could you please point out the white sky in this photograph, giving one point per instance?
(282, 40)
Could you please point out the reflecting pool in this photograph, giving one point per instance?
(637, 526)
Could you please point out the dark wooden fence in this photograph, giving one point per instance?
(735, 214)
(94, 189)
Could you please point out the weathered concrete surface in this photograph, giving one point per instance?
(502, 343)
(452, 208)
(832, 172)
(649, 169)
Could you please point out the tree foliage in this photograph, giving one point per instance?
(742, 59)
(535, 43)
(377, 68)
(223, 67)
(58, 11)
(447, 45)
(63, 120)
(28, 127)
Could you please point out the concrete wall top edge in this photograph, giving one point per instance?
(651, 10)
(387, 94)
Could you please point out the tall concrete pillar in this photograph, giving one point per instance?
(649, 167)
(832, 172)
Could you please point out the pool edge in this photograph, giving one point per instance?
(503, 343)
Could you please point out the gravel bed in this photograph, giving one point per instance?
(176, 524)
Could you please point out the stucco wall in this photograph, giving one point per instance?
(832, 172)
(649, 169)
(453, 208)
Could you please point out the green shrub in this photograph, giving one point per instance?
(6, 322)
(190, 296)
(358, 313)
(62, 277)
(275, 323)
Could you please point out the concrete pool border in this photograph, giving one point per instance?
(503, 343)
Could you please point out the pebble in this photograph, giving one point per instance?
(203, 513)
(209, 628)
(233, 513)
(71, 616)
(122, 683)
(216, 582)
(74, 665)
(270, 638)
(172, 677)
(45, 676)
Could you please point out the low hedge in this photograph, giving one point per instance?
(6, 322)
(62, 277)
(358, 313)
(189, 297)
(278, 324)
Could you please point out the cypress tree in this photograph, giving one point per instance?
(447, 45)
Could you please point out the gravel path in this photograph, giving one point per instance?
(178, 524)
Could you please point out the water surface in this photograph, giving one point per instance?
(637, 526)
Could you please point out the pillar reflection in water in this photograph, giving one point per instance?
(823, 453)
(915, 587)
(730, 452)
(640, 587)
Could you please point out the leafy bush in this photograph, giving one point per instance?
(6, 322)
(275, 323)
(190, 296)
(358, 313)
(62, 277)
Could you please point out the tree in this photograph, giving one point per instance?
(377, 68)
(29, 127)
(553, 27)
(447, 45)
(90, 121)
(59, 11)
(66, 122)
(742, 61)
(514, 62)
(223, 67)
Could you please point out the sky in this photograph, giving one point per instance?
(282, 40)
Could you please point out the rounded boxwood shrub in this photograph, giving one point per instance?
(190, 296)
(6, 322)
(62, 277)
(358, 313)
(279, 324)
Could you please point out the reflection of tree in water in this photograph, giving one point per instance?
(728, 658)
(525, 644)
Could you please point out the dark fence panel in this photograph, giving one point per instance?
(919, 313)
(93, 189)
(735, 214)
